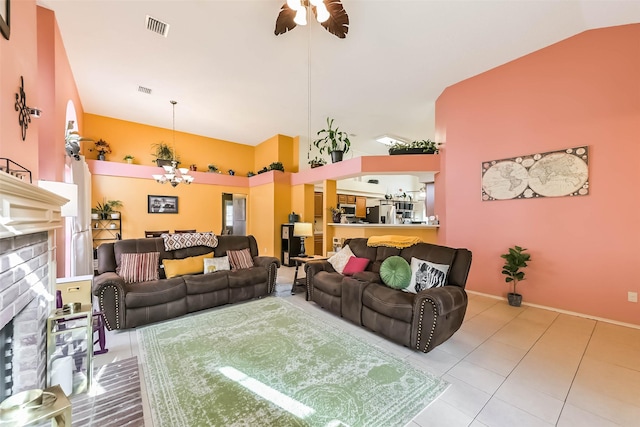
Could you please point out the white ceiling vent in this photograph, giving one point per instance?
(144, 90)
(157, 26)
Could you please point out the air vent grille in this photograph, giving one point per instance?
(157, 26)
(144, 90)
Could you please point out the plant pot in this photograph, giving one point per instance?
(104, 216)
(95, 216)
(101, 156)
(162, 162)
(130, 161)
(411, 151)
(315, 165)
(115, 215)
(336, 156)
(514, 299)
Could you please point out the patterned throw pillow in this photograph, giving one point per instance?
(188, 240)
(395, 272)
(216, 264)
(340, 259)
(139, 267)
(189, 265)
(425, 275)
(240, 259)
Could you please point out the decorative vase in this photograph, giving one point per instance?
(193, 168)
(336, 156)
(514, 299)
(336, 218)
(101, 156)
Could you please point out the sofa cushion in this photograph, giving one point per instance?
(328, 282)
(205, 283)
(390, 302)
(247, 277)
(139, 267)
(147, 294)
(180, 267)
(425, 275)
(216, 264)
(339, 260)
(395, 272)
(355, 265)
(368, 276)
(240, 259)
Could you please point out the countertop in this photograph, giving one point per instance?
(359, 225)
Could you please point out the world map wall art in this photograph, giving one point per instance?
(552, 174)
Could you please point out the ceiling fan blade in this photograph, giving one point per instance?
(285, 22)
(338, 22)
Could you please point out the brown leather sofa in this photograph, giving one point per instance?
(127, 305)
(419, 321)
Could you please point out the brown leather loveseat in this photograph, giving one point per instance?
(419, 321)
(127, 305)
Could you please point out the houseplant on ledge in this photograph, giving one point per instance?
(102, 147)
(334, 141)
(414, 147)
(515, 259)
(316, 162)
(163, 154)
(128, 158)
(106, 209)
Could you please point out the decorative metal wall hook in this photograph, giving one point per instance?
(24, 115)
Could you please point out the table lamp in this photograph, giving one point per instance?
(302, 230)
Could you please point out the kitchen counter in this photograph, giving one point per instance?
(428, 233)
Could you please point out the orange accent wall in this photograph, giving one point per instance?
(584, 250)
(126, 137)
(278, 148)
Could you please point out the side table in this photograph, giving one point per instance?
(302, 260)
(59, 412)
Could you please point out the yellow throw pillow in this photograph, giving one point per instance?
(180, 267)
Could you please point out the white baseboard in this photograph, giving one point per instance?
(558, 310)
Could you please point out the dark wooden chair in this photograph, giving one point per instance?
(155, 233)
(184, 231)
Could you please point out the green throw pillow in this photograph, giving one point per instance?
(395, 272)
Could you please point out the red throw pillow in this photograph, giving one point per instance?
(355, 265)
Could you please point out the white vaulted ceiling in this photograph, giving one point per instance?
(235, 80)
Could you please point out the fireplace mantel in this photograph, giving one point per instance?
(26, 208)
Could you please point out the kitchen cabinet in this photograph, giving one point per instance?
(361, 207)
(317, 244)
(351, 200)
(317, 205)
(342, 199)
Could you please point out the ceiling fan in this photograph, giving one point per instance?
(329, 13)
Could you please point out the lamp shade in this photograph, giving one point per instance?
(302, 229)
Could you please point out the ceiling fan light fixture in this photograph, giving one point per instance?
(322, 14)
(295, 4)
(301, 16)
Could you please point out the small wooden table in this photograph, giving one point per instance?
(303, 260)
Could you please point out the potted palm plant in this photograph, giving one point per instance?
(515, 259)
(334, 141)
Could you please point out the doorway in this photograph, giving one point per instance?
(234, 214)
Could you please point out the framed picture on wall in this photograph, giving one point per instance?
(162, 204)
(5, 29)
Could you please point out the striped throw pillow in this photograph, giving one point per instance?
(139, 267)
(240, 259)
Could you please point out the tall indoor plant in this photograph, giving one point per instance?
(163, 154)
(515, 260)
(333, 141)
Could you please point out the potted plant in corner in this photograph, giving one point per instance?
(515, 259)
(334, 142)
(415, 147)
(163, 154)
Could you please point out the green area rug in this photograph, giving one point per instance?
(269, 363)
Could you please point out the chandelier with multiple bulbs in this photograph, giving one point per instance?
(172, 173)
(300, 6)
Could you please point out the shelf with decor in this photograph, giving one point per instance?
(106, 230)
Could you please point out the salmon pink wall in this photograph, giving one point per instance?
(18, 57)
(584, 90)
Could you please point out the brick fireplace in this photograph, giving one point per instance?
(29, 217)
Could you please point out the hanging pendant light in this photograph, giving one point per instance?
(173, 174)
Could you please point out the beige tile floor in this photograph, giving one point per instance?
(507, 366)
